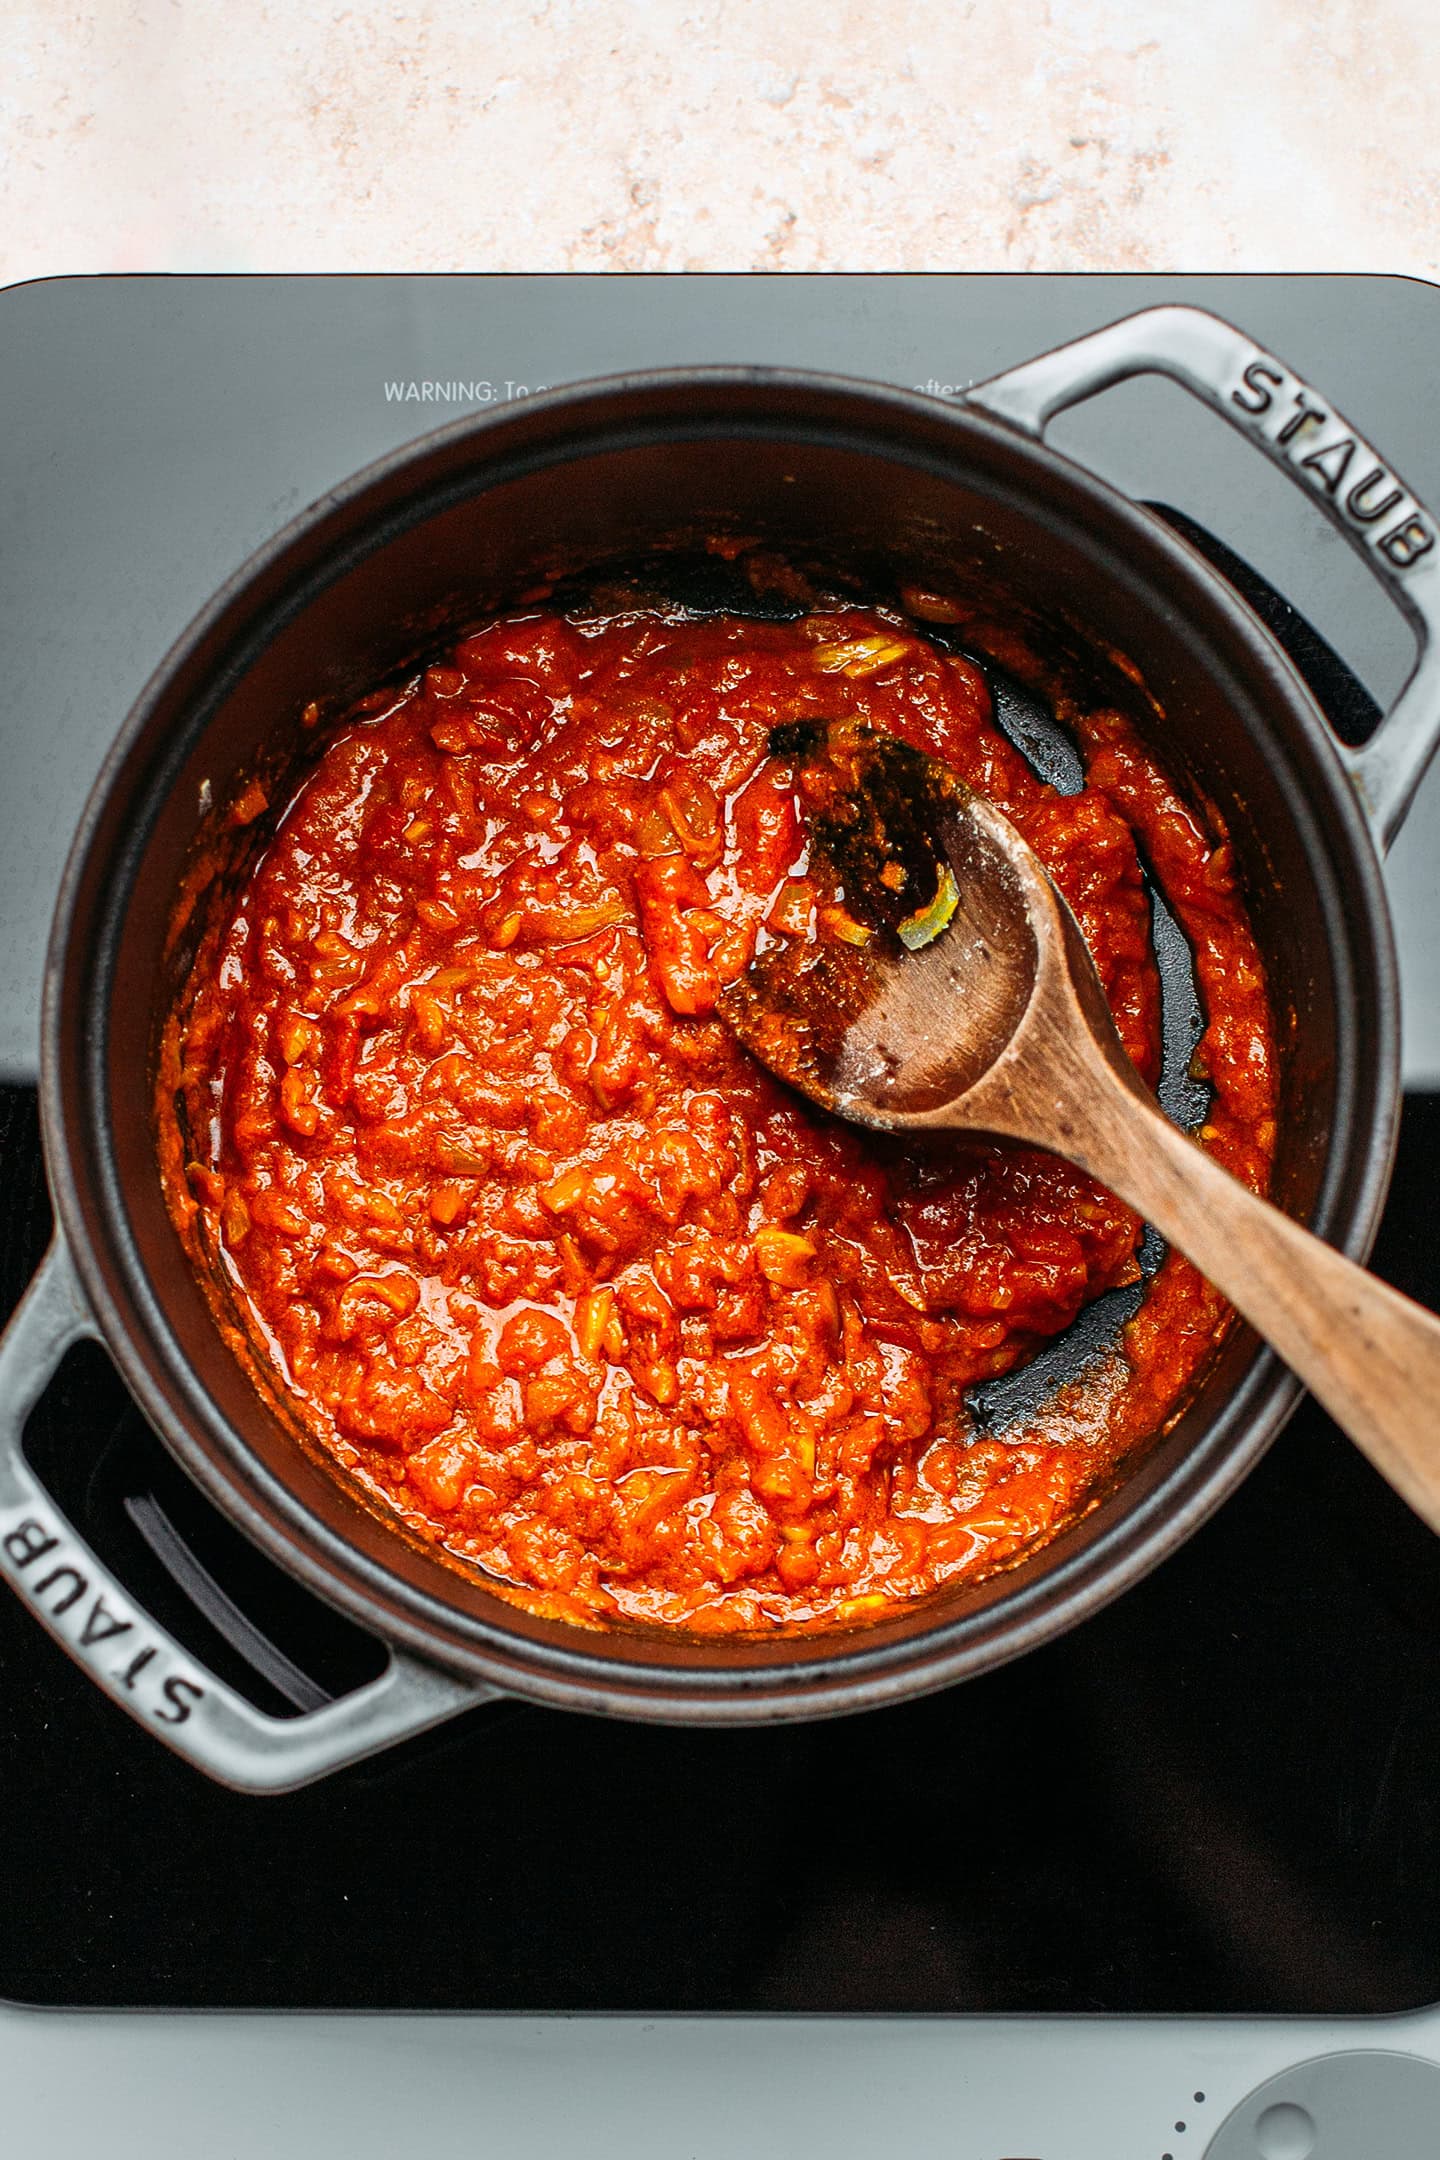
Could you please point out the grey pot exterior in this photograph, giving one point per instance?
(373, 576)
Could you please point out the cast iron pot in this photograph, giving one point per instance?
(418, 544)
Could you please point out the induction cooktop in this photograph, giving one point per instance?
(1215, 1803)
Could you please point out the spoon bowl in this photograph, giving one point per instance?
(907, 1032)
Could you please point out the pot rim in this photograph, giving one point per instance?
(884, 1661)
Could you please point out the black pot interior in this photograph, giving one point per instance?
(423, 548)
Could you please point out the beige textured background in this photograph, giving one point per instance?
(720, 134)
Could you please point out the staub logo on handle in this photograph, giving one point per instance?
(1334, 460)
(50, 1570)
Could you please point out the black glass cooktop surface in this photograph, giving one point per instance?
(1221, 1794)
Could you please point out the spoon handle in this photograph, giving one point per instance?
(1369, 1354)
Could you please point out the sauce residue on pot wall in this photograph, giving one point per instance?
(541, 1258)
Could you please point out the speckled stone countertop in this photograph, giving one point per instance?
(720, 135)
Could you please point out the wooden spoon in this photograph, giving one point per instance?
(997, 1023)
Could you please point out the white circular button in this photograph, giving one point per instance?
(1357, 2104)
(1285, 2132)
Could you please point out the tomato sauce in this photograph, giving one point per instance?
(540, 1258)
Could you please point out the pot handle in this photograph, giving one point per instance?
(1303, 434)
(137, 1663)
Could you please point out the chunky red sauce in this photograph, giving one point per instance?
(541, 1257)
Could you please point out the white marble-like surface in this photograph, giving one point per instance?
(720, 134)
